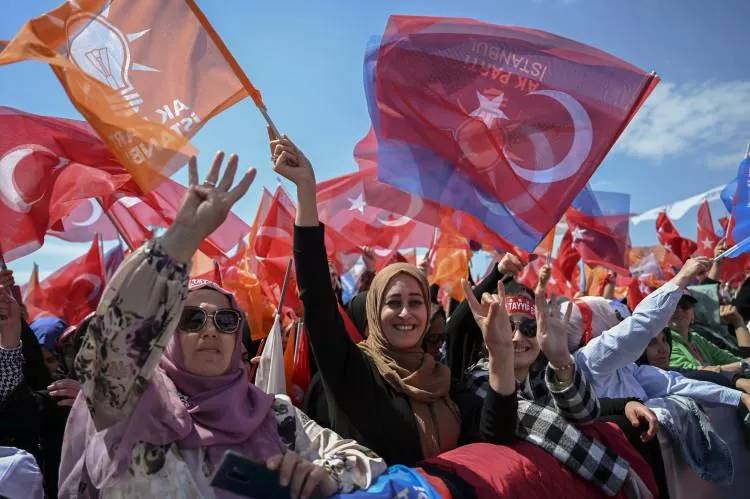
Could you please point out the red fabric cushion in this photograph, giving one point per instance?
(525, 470)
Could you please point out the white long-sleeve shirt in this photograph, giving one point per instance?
(608, 361)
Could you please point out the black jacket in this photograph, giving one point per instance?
(360, 403)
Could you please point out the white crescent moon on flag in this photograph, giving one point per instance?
(415, 206)
(383, 252)
(94, 280)
(8, 190)
(96, 213)
(579, 149)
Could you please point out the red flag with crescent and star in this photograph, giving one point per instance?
(672, 241)
(505, 123)
(48, 167)
(72, 291)
(707, 238)
(137, 213)
(342, 207)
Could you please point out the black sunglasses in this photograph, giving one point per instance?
(526, 327)
(226, 320)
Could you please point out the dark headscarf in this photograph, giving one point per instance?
(742, 300)
(643, 360)
(356, 309)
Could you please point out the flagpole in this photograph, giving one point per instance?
(284, 286)
(117, 225)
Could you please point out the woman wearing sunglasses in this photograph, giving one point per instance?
(165, 392)
(553, 395)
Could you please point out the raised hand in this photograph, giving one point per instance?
(289, 162)
(544, 276)
(368, 257)
(205, 206)
(551, 330)
(510, 264)
(491, 317)
(497, 332)
(693, 268)
(720, 247)
(10, 319)
(730, 315)
(304, 478)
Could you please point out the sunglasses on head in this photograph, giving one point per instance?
(194, 319)
(526, 327)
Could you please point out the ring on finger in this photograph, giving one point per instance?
(209, 183)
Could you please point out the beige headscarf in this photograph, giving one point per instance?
(413, 372)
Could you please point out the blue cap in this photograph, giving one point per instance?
(47, 330)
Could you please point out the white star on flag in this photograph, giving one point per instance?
(707, 243)
(668, 247)
(358, 204)
(489, 109)
(578, 234)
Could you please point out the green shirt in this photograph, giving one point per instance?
(711, 355)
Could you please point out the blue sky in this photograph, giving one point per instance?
(306, 58)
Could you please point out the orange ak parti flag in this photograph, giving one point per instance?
(146, 74)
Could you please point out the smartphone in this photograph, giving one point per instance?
(244, 477)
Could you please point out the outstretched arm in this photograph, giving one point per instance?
(141, 306)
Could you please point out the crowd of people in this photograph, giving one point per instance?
(510, 386)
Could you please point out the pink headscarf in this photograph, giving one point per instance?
(221, 412)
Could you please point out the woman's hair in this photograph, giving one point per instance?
(643, 359)
(514, 288)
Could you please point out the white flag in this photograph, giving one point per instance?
(270, 375)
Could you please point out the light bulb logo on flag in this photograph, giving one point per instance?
(102, 51)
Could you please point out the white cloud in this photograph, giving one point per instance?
(726, 161)
(691, 118)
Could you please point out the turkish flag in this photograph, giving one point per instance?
(668, 236)
(568, 257)
(637, 291)
(250, 261)
(707, 238)
(342, 207)
(273, 248)
(558, 285)
(73, 291)
(147, 75)
(524, 117)
(137, 213)
(47, 167)
(381, 195)
(600, 224)
(83, 223)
